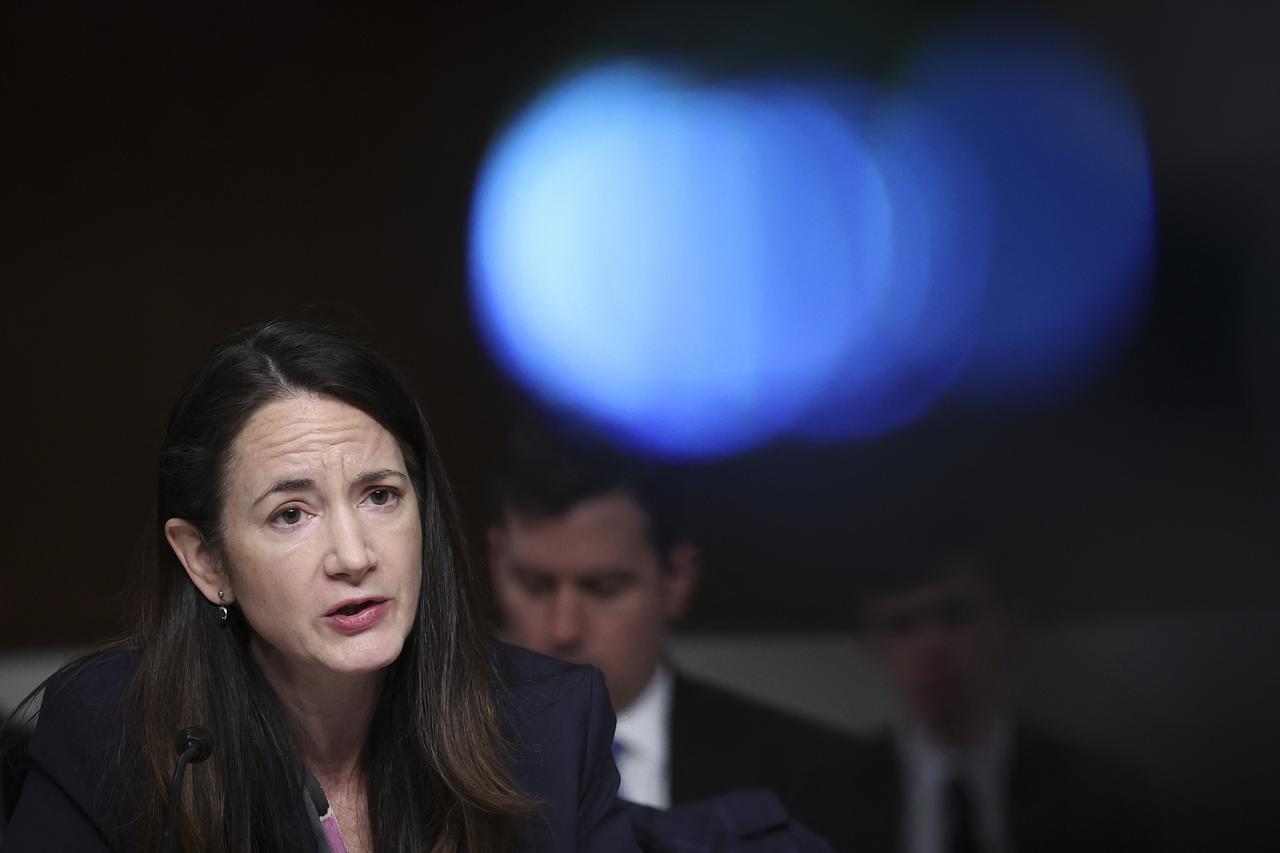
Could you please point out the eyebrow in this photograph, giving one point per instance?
(298, 484)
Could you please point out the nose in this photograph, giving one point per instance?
(349, 553)
(567, 620)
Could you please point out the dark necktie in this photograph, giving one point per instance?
(962, 835)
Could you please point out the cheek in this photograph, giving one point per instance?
(902, 659)
(405, 541)
(272, 601)
(271, 587)
(413, 591)
(507, 600)
(632, 617)
(521, 608)
(531, 617)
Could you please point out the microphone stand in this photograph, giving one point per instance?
(193, 745)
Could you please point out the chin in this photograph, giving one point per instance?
(369, 657)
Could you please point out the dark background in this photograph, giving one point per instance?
(172, 172)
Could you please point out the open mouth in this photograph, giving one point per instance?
(355, 607)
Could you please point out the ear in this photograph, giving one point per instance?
(198, 559)
(680, 579)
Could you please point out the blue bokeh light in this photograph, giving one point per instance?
(682, 263)
(920, 333)
(1069, 183)
(699, 266)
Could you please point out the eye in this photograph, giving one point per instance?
(382, 497)
(609, 586)
(290, 516)
(535, 584)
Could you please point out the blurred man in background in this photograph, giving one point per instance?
(960, 773)
(589, 565)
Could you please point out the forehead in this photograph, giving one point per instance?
(607, 532)
(309, 435)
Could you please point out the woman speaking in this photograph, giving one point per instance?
(312, 607)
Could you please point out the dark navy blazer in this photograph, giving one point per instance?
(556, 715)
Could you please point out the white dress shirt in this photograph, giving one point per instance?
(928, 768)
(643, 744)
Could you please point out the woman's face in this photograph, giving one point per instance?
(321, 538)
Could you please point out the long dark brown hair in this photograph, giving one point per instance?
(435, 763)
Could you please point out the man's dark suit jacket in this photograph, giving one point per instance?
(741, 822)
(1060, 800)
(13, 753)
(556, 715)
(722, 742)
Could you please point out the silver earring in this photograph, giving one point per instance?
(222, 606)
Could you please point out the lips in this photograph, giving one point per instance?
(357, 614)
(352, 606)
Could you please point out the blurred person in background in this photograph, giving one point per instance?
(960, 772)
(590, 564)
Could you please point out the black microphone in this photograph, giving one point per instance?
(193, 745)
